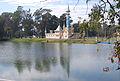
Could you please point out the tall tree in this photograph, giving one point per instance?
(54, 22)
(83, 28)
(27, 24)
(7, 24)
(1, 28)
(42, 17)
(95, 18)
(113, 10)
(17, 21)
(62, 20)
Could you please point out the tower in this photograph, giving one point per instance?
(68, 30)
(68, 17)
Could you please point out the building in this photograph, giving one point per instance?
(65, 33)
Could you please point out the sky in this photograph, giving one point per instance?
(58, 7)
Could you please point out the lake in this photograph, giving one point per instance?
(36, 61)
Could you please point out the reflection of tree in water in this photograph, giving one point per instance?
(21, 65)
(116, 54)
(28, 64)
(115, 57)
(42, 64)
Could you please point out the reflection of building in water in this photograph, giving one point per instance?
(65, 62)
(66, 32)
(65, 58)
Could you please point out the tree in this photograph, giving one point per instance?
(1, 28)
(95, 18)
(17, 21)
(8, 31)
(76, 27)
(83, 28)
(113, 10)
(62, 20)
(27, 27)
(42, 18)
(27, 24)
(46, 19)
(54, 22)
(7, 24)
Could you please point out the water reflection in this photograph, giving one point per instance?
(55, 62)
(43, 64)
(43, 60)
(116, 55)
(21, 65)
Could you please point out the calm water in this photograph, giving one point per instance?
(56, 62)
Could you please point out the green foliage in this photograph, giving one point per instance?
(54, 22)
(95, 18)
(82, 28)
(8, 31)
(28, 26)
(21, 23)
(17, 18)
(42, 21)
(76, 27)
(1, 27)
(62, 20)
(6, 24)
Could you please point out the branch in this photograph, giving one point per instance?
(111, 6)
(43, 1)
(104, 5)
(76, 3)
(87, 1)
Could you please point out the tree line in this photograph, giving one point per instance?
(103, 21)
(22, 23)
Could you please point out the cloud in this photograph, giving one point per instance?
(58, 7)
(35, 2)
(28, 2)
(23, 2)
(79, 11)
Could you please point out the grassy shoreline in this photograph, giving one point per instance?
(90, 40)
(87, 41)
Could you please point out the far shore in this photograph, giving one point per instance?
(91, 40)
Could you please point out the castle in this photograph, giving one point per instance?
(65, 33)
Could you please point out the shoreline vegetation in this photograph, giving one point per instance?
(91, 40)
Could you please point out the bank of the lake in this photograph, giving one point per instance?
(90, 40)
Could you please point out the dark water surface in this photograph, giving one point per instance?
(56, 62)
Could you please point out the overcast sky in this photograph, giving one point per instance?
(58, 7)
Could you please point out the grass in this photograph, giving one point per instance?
(52, 40)
(90, 40)
(27, 40)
